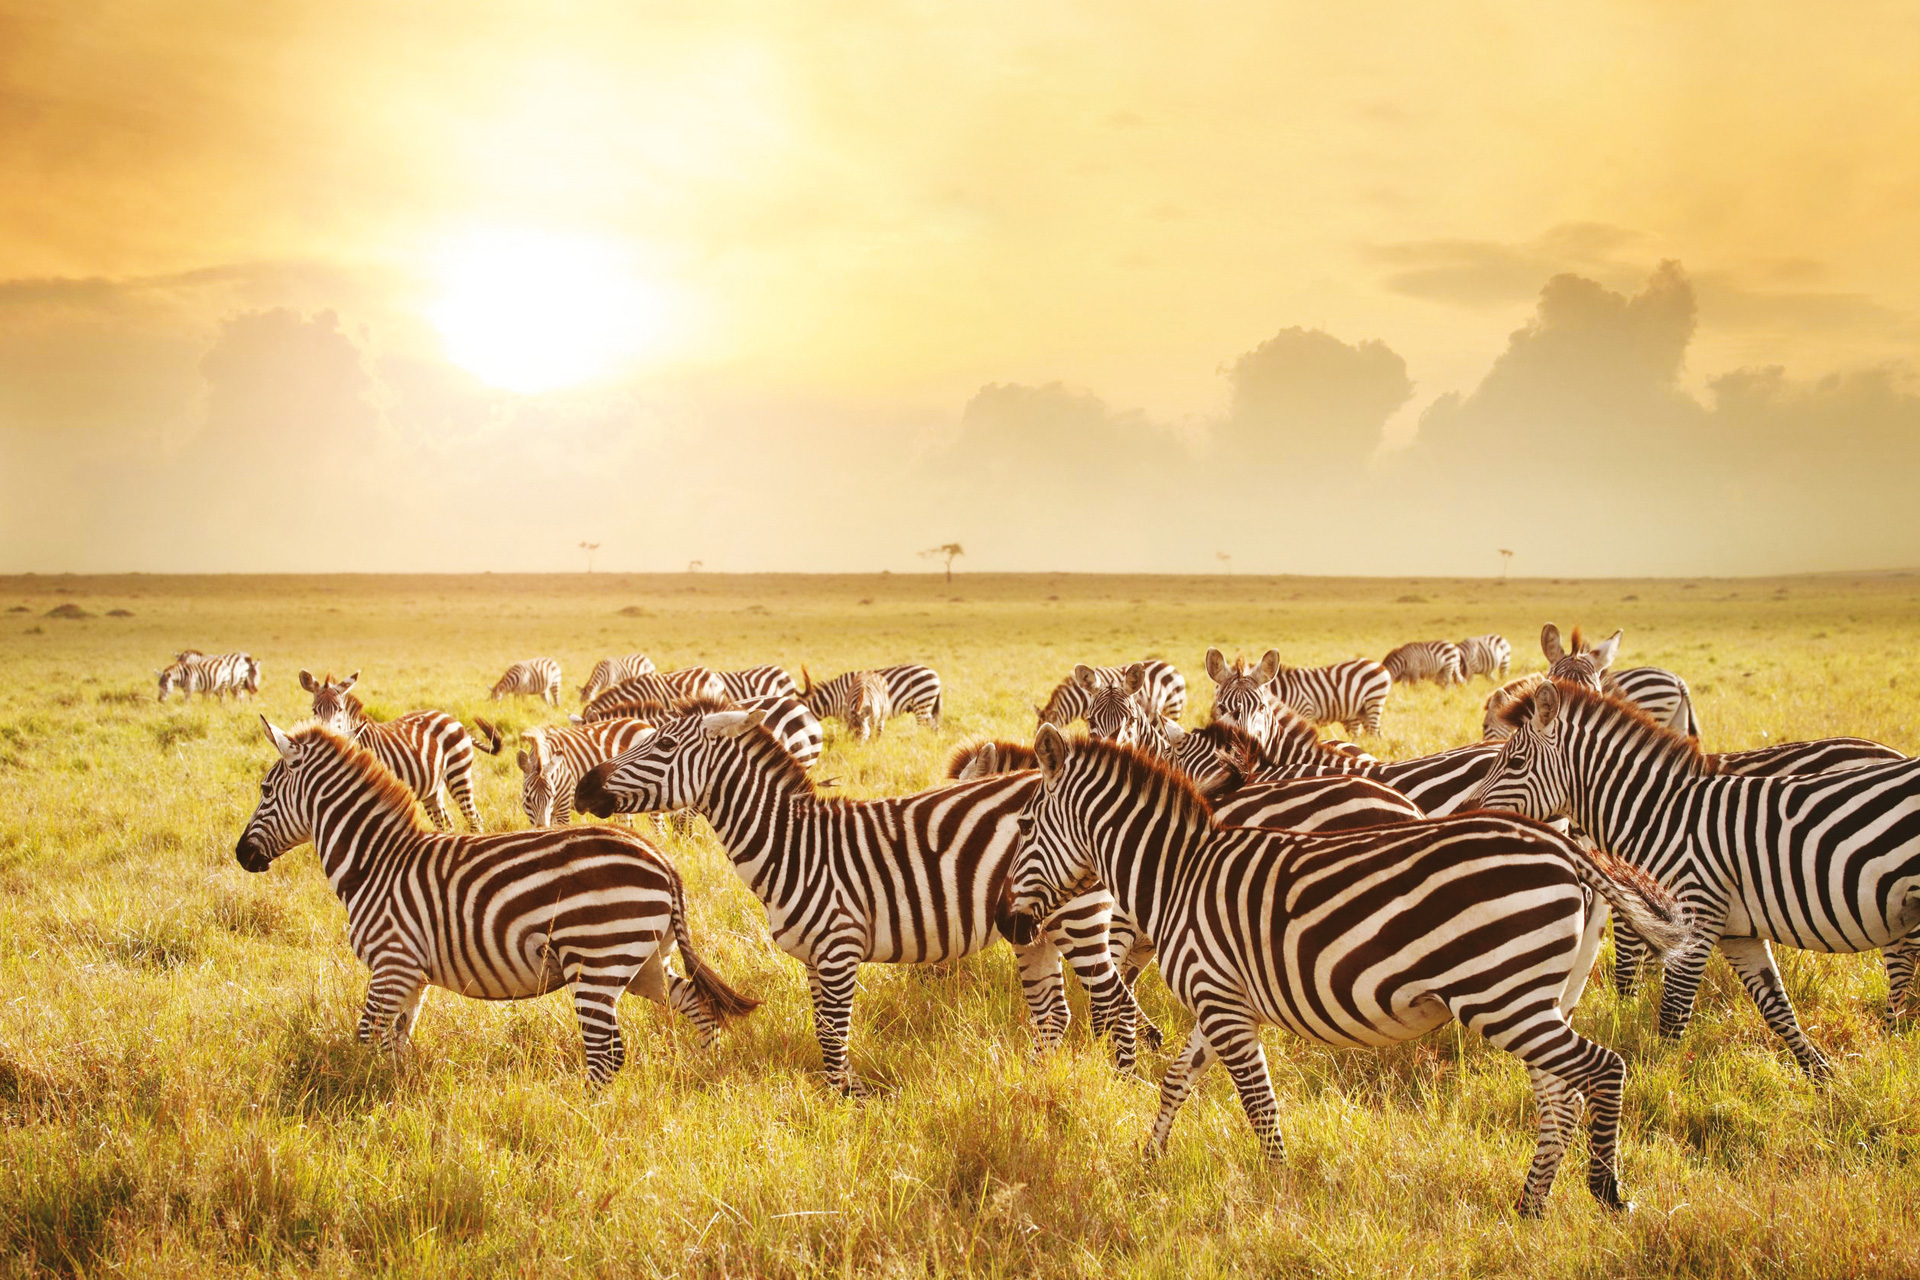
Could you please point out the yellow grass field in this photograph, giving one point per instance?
(181, 1092)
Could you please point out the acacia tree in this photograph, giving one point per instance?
(947, 552)
(1506, 558)
(589, 548)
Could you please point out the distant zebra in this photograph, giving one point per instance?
(1362, 939)
(1824, 863)
(217, 676)
(911, 688)
(553, 759)
(502, 917)
(1163, 692)
(1661, 694)
(789, 720)
(907, 880)
(758, 682)
(609, 672)
(1487, 655)
(537, 676)
(657, 686)
(869, 706)
(1353, 693)
(1435, 660)
(429, 751)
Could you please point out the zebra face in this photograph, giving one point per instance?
(1530, 776)
(167, 678)
(537, 793)
(1055, 850)
(277, 824)
(333, 701)
(1244, 698)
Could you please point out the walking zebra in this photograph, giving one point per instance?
(907, 880)
(501, 917)
(429, 751)
(1354, 694)
(1825, 863)
(537, 676)
(1435, 660)
(657, 686)
(1163, 692)
(553, 759)
(218, 676)
(1659, 693)
(789, 720)
(609, 672)
(1487, 655)
(911, 688)
(1362, 939)
(758, 682)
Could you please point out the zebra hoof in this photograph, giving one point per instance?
(1530, 1205)
(1150, 1035)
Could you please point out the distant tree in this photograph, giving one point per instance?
(1226, 561)
(589, 548)
(695, 566)
(1506, 558)
(947, 552)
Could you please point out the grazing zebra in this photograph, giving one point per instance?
(1360, 939)
(427, 750)
(869, 706)
(1163, 692)
(907, 880)
(1352, 693)
(1245, 698)
(658, 686)
(553, 760)
(911, 688)
(500, 917)
(609, 672)
(192, 671)
(537, 676)
(1435, 660)
(1824, 863)
(1487, 655)
(789, 720)
(1659, 693)
(758, 682)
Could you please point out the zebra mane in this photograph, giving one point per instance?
(965, 754)
(1576, 643)
(1232, 741)
(1150, 774)
(1642, 730)
(372, 775)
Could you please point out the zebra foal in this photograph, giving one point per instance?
(537, 676)
(216, 675)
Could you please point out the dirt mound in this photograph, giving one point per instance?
(68, 610)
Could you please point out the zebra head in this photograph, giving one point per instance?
(1531, 776)
(1244, 698)
(1498, 716)
(537, 781)
(1114, 713)
(670, 767)
(1217, 758)
(283, 818)
(1056, 841)
(169, 677)
(334, 705)
(252, 683)
(1579, 661)
(866, 703)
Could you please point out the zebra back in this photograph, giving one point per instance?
(1435, 660)
(611, 671)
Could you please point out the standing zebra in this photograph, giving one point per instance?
(1826, 863)
(1163, 692)
(1435, 660)
(1487, 655)
(1353, 694)
(502, 917)
(1661, 694)
(1363, 939)
(658, 686)
(789, 720)
(427, 750)
(192, 671)
(869, 706)
(537, 676)
(758, 682)
(907, 880)
(609, 672)
(911, 688)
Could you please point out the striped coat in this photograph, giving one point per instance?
(1363, 939)
(1162, 689)
(912, 689)
(216, 675)
(663, 687)
(758, 682)
(1487, 655)
(429, 751)
(1435, 660)
(609, 672)
(503, 917)
(1351, 693)
(789, 720)
(553, 760)
(537, 676)
(1661, 694)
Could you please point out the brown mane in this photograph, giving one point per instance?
(1644, 729)
(374, 776)
(1576, 643)
(1145, 772)
(965, 754)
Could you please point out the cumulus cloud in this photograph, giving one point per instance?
(1309, 407)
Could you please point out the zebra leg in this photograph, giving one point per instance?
(832, 983)
(596, 998)
(1752, 959)
(436, 809)
(1629, 955)
(1043, 983)
(393, 997)
(1193, 1059)
(1559, 1106)
(1682, 985)
(1130, 952)
(669, 990)
(1899, 956)
(1110, 1006)
(1235, 1037)
(460, 786)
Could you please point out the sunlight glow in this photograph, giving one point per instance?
(534, 311)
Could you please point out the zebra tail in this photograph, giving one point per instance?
(491, 742)
(1650, 909)
(721, 1000)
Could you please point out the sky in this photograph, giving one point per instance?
(1626, 289)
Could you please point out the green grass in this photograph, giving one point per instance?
(181, 1094)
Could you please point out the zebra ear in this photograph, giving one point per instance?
(1269, 667)
(1216, 666)
(1050, 749)
(280, 741)
(349, 682)
(1136, 677)
(524, 761)
(306, 680)
(1084, 677)
(1605, 652)
(731, 724)
(1175, 734)
(1546, 705)
(1550, 643)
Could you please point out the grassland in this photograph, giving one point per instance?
(181, 1093)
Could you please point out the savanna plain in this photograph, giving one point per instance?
(182, 1094)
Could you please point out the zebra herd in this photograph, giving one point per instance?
(1276, 877)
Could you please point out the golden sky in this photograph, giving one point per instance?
(822, 266)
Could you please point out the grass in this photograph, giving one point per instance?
(181, 1094)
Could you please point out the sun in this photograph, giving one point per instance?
(533, 311)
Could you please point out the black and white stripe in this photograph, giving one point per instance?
(609, 672)
(912, 689)
(664, 687)
(553, 759)
(1825, 863)
(1353, 694)
(215, 675)
(537, 676)
(501, 917)
(1162, 691)
(429, 751)
(758, 682)
(1362, 939)
(1487, 655)
(1435, 660)
(788, 719)
(1661, 694)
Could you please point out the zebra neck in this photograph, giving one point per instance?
(755, 807)
(1618, 793)
(355, 836)
(1140, 852)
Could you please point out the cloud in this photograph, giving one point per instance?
(1306, 402)
(1488, 273)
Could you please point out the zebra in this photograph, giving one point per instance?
(912, 879)
(789, 720)
(1361, 939)
(911, 688)
(611, 671)
(537, 676)
(499, 917)
(1163, 692)
(1660, 693)
(1352, 693)
(656, 686)
(553, 759)
(1435, 660)
(1244, 697)
(869, 706)
(1487, 655)
(1826, 863)
(218, 676)
(758, 682)
(427, 750)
